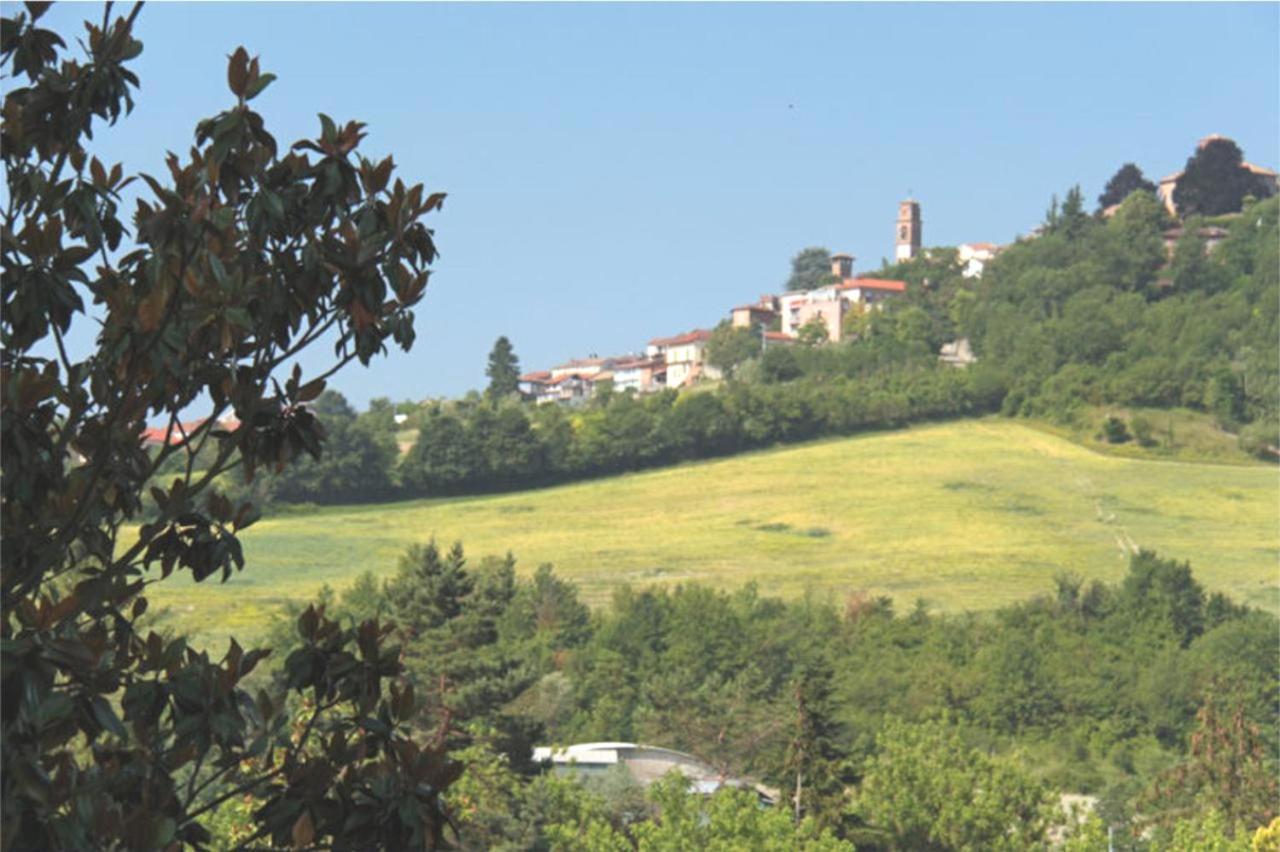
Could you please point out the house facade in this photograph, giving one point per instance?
(685, 357)
(641, 375)
(829, 305)
(762, 313)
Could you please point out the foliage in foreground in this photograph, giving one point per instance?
(115, 737)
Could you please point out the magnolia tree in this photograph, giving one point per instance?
(243, 254)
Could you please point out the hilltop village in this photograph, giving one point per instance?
(819, 314)
(680, 360)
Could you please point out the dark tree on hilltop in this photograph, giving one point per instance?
(503, 370)
(810, 268)
(244, 253)
(1215, 181)
(1128, 180)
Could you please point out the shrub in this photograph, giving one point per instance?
(1114, 430)
(1143, 431)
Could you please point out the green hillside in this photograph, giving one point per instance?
(967, 515)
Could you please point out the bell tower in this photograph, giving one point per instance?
(907, 244)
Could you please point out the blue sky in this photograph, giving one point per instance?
(618, 172)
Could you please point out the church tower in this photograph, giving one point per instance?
(908, 241)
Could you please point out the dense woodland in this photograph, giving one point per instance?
(1153, 696)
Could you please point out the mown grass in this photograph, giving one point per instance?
(967, 515)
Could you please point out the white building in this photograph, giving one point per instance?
(641, 375)
(975, 257)
(645, 763)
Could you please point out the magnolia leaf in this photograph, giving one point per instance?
(238, 71)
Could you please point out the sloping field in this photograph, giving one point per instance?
(967, 515)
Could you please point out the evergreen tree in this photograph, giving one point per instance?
(1073, 218)
(1126, 181)
(813, 759)
(449, 619)
(429, 589)
(810, 268)
(503, 370)
(1215, 181)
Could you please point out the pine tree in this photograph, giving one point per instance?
(1073, 217)
(503, 370)
(449, 620)
(813, 760)
(1127, 180)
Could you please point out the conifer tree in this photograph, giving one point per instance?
(503, 370)
(1127, 180)
(813, 760)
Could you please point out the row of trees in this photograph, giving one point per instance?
(479, 444)
(889, 731)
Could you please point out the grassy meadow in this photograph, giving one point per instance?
(967, 515)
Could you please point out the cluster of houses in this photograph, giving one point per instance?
(681, 360)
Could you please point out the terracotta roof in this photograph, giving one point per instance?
(873, 284)
(537, 376)
(157, 434)
(582, 362)
(636, 364)
(983, 246)
(681, 339)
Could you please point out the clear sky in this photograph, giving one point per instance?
(618, 172)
